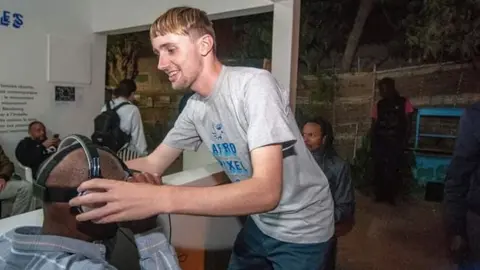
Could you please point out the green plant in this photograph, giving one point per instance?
(362, 170)
(322, 92)
(327, 86)
(362, 166)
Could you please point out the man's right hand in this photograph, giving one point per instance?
(141, 226)
(458, 249)
(50, 142)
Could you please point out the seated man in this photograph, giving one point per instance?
(20, 190)
(33, 150)
(318, 136)
(64, 243)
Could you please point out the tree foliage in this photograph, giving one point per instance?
(421, 30)
(324, 26)
(444, 29)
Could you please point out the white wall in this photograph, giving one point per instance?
(23, 60)
(112, 15)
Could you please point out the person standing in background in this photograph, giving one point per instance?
(33, 150)
(130, 117)
(319, 138)
(391, 129)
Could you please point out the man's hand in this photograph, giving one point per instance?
(147, 224)
(55, 142)
(146, 178)
(3, 184)
(50, 142)
(136, 199)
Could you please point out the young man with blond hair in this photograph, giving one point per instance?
(243, 116)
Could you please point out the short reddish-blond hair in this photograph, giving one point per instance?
(187, 21)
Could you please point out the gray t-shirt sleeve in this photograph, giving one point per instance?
(267, 112)
(184, 135)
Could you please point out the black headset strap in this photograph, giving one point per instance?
(62, 194)
(124, 166)
(50, 163)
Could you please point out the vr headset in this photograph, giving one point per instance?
(65, 194)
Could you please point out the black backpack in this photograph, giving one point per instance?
(107, 130)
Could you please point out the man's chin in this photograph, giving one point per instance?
(179, 87)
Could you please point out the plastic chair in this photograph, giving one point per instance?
(127, 154)
(27, 175)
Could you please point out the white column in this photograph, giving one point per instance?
(285, 38)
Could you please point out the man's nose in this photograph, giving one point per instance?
(162, 63)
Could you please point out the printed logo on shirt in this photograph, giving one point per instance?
(217, 132)
(226, 154)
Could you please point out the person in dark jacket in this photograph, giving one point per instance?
(318, 136)
(462, 192)
(391, 128)
(33, 150)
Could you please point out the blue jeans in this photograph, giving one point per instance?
(255, 250)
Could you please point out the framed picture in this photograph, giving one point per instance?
(64, 93)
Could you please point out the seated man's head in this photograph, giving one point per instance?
(317, 134)
(36, 130)
(71, 171)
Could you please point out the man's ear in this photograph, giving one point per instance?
(324, 139)
(205, 44)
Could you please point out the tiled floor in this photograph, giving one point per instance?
(409, 236)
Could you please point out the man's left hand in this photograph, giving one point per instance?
(137, 199)
(3, 184)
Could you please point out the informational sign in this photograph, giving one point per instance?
(11, 19)
(15, 101)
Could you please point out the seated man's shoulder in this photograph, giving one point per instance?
(25, 140)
